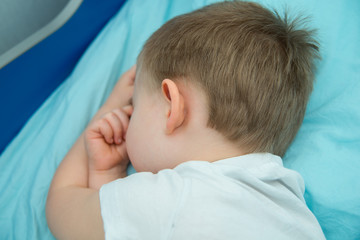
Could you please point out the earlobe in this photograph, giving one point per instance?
(176, 107)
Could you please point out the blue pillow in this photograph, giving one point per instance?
(326, 150)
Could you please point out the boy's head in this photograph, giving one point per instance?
(255, 69)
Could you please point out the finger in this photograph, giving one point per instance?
(124, 118)
(116, 126)
(106, 130)
(121, 149)
(128, 109)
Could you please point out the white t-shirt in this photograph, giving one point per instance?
(245, 197)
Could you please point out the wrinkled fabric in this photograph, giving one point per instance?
(245, 197)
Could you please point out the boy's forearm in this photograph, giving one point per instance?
(68, 189)
(71, 176)
(71, 205)
(73, 170)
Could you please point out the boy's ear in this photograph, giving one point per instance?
(176, 107)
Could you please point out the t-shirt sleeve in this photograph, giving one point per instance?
(141, 206)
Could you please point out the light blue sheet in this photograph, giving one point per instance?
(326, 151)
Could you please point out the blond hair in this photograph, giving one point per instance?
(255, 67)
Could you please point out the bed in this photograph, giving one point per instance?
(326, 150)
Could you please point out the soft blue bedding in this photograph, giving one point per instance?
(326, 151)
(38, 77)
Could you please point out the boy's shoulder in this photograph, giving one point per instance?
(227, 194)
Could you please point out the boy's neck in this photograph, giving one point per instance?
(210, 146)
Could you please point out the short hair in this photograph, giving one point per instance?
(255, 67)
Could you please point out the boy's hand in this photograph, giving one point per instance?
(72, 205)
(105, 147)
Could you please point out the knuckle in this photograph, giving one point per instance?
(102, 121)
(112, 115)
(119, 114)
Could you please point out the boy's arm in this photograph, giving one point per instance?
(73, 209)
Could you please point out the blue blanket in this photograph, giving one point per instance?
(326, 151)
(26, 82)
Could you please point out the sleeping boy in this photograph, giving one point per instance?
(218, 97)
